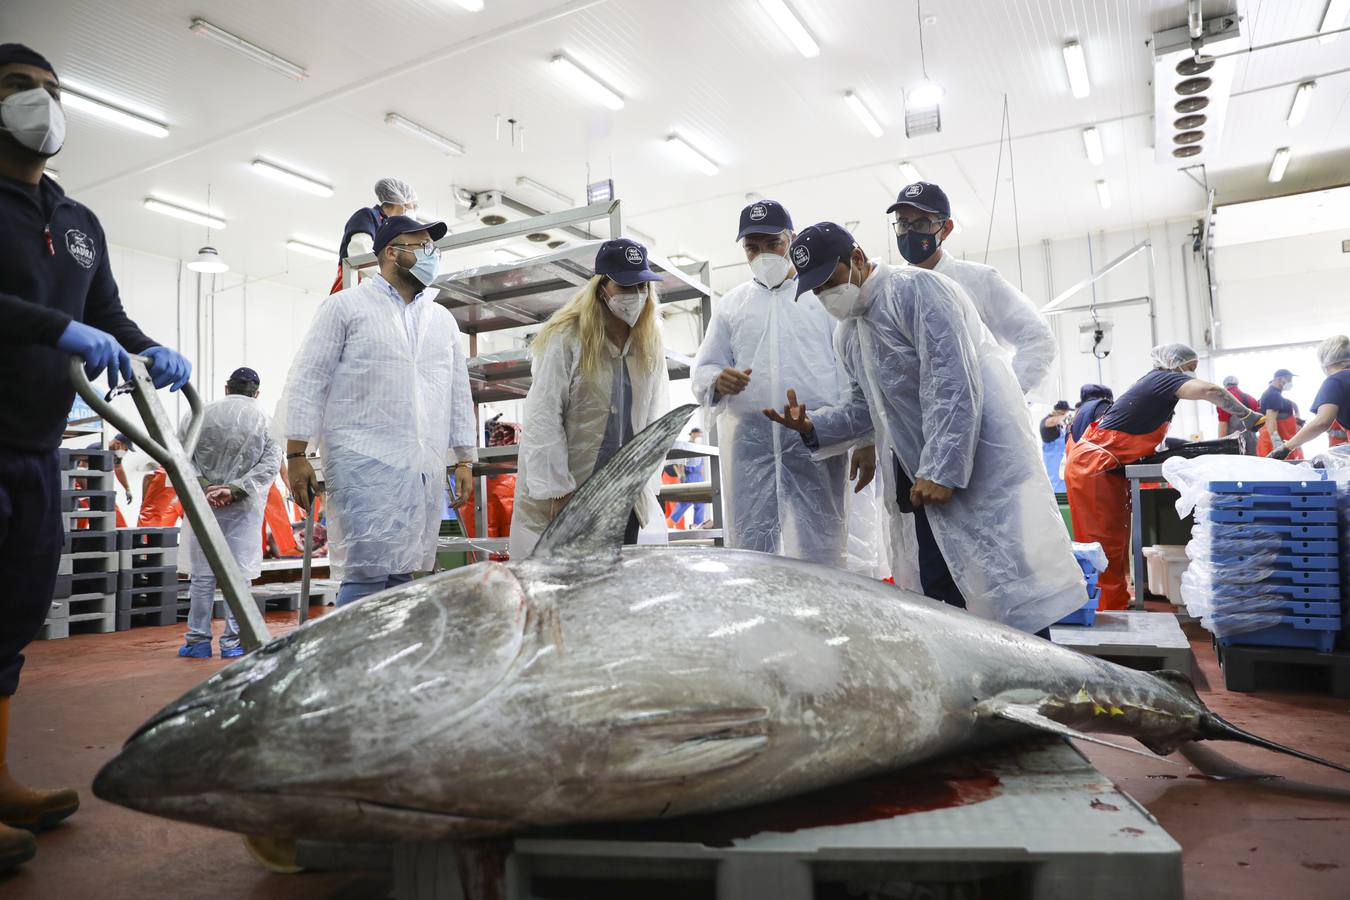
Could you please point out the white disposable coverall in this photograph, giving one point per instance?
(564, 425)
(383, 386)
(235, 448)
(944, 398)
(778, 499)
(1009, 315)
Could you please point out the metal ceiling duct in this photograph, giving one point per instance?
(1187, 78)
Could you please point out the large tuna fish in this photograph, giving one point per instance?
(589, 684)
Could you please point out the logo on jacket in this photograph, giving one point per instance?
(801, 256)
(634, 256)
(81, 247)
(914, 190)
(757, 213)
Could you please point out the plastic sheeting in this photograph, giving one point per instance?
(564, 425)
(945, 395)
(1092, 554)
(383, 386)
(778, 499)
(235, 448)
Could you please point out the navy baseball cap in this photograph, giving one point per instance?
(764, 217)
(624, 261)
(11, 54)
(396, 225)
(925, 196)
(816, 251)
(244, 373)
(1284, 373)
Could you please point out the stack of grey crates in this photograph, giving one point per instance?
(147, 591)
(85, 597)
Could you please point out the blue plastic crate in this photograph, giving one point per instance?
(1314, 486)
(1279, 532)
(1086, 614)
(1321, 563)
(1292, 608)
(1273, 501)
(1275, 516)
(1280, 577)
(1292, 591)
(1313, 632)
(1233, 546)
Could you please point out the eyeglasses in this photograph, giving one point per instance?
(427, 246)
(923, 226)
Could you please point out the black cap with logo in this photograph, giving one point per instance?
(764, 217)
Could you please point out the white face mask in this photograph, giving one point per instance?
(844, 300)
(628, 306)
(36, 120)
(770, 269)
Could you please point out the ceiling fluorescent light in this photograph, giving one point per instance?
(691, 155)
(791, 26)
(1076, 65)
(544, 189)
(1092, 145)
(1333, 19)
(910, 173)
(109, 113)
(446, 145)
(924, 95)
(1104, 194)
(314, 250)
(588, 84)
(1302, 99)
(182, 212)
(470, 5)
(864, 114)
(1278, 165)
(249, 49)
(294, 179)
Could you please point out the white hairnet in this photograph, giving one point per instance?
(395, 191)
(1172, 356)
(1230, 381)
(1334, 351)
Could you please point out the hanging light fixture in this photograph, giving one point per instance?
(208, 260)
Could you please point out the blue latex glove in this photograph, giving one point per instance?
(98, 349)
(168, 367)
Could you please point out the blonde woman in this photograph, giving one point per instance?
(599, 378)
(1332, 404)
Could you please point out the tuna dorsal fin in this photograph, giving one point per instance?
(1026, 714)
(592, 522)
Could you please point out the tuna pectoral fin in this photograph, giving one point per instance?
(1030, 716)
(593, 521)
(687, 759)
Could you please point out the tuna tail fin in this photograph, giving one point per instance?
(1214, 727)
(1030, 716)
(593, 521)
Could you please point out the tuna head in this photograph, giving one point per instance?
(345, 727)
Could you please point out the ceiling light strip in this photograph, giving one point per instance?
(248, 48)
(292, 178)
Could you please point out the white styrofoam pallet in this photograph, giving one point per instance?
(1129, 634)
(1054, 821)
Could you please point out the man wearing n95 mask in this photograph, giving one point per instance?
(923, 220)
(943, 400)
(381, 382)
(760, 342)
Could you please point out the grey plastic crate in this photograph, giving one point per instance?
(130, 538)
(147, 578)
(149, 557)
(90, 542)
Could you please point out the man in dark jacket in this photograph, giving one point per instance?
(57, 299)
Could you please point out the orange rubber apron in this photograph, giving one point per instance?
(1337, 436)
(1099, 500)
(159, 507)
(277, 519)
(1287, 429)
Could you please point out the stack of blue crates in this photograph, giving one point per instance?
(1087, 613)
(1274, 557)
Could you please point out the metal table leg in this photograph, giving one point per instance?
(1137, 544)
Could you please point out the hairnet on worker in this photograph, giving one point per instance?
(944, 399)
(397, 192)
(589, 396)
(1334, 352)
(778, 499)
(1172, 357)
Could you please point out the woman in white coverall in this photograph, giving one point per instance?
(943, 397)
(598, 378)
(761, 341)
(237, 461)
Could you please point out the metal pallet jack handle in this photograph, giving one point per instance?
(159, 438)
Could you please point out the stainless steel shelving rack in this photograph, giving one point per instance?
(523, 294)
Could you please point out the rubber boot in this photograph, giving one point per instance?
(25, 807)
(16, 847)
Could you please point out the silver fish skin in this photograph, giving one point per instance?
(498, 698)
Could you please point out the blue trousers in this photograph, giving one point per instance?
(351, 591)
(31, 535)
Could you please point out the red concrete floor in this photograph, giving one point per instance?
(81, 697)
